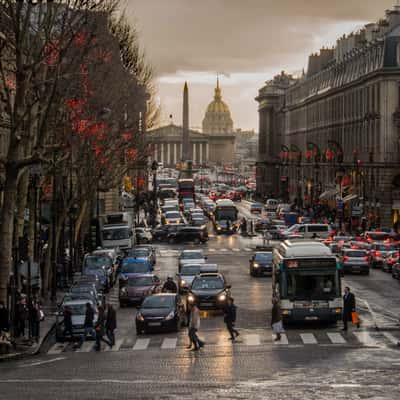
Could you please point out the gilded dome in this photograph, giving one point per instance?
(218, 116)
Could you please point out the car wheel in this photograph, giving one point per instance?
(145, 240)
(138, 331)
(171, 241)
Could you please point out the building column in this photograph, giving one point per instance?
(168, 154)
(194, 152)
(162, 153)
(180, 151)
(155, 154)
(207, 157)
(201, 154)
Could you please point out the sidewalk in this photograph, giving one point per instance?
(26, 347)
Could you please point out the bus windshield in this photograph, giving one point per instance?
(116, 234)
(311, 285)
(226, 213)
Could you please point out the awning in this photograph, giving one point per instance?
(349, 198)
(329, 194)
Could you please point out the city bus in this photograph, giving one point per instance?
(225, 216)
(306, 280)
(185, 188)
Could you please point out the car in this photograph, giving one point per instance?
(135, 289)
(353, 260)
(198, 221)
(161, 312)
(69, 296)
(389, 260)
(143, 235)
(168, 208)
(261, 263)
(161, 232)
(188, 234)
(376, 236)
(172, 217)
(262, 224)
(271, 205)
(209, 291)
(396, 271)
(78, 311)
(189, 271)
(191, 257)
(143, 252)
(309, 231)
(256, 208)
(89, 280)
(100, 265)
(379, 250)
(131, 267)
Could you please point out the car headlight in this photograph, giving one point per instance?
(222, 297)
(139, 317)
(183, 282)
(218, 228)
(191, 298)
(256, 265)
(123, 291)
(170, 316)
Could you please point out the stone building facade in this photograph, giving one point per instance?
(333, 134)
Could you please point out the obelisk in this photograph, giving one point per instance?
(185, 125)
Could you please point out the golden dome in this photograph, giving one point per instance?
(218, 116)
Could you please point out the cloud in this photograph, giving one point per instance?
(248, 41)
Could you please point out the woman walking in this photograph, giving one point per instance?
(276, 320)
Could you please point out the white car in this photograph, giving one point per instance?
(173, 217)
(191, 257)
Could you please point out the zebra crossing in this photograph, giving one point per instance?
(246, 339)
(209, 250)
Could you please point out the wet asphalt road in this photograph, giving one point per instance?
(314, 363)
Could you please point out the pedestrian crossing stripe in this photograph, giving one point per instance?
(360, 338)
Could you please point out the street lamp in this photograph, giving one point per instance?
(154, 167)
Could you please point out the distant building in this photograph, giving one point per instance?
(333, 134)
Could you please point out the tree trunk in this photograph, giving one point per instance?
(6, 229)
(22, 196)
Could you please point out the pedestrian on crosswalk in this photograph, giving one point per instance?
(88, 324)
(99, 327)
(194, 326)
(349, 307)
(111, 324)
(230, 318)
(276, 319)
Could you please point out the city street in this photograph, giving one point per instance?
(320, 360)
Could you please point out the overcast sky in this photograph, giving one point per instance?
(246, 42)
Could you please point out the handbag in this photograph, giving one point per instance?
(355, 318)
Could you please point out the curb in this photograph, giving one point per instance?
(44, 340)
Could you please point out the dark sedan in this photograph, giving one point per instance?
(161, 312)
(135, 289)
(161, 232)
(209, 291)
(261, 263)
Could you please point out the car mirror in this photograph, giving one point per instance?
(228, 286)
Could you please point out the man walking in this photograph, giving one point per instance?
(349, 306)
(99, 327)
(194, 326)
(68, 322)
(4, 324)
(88, 324)
(230, 318)
(111, 324)
(276, 319)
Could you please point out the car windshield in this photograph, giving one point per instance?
(378, 236)
(82, 289)
(308, 285)
(77, 296)
(355, 254)
(293, 228)
(134, 268)
(194, 255)
(139, 253)
(141, 281)
(190, 270)
(208, 282)
(95, 262)
(116, 234)
(77, 309)
(385, 247)
(159, 302)
(263, 257)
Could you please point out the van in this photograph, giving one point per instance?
(271, 205)
(309, 231)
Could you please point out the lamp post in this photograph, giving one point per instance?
(154, 167)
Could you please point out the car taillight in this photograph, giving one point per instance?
(345, 258)
(366, 258)
(377, 254)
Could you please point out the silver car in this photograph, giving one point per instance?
(188, 273)
(352, 260)
(191, 257)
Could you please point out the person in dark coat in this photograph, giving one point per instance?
(111, 324)
(88, 323)
(68, 321)
(22, 316)
(349, 306)
(276, 319)
(99, 327)
(34, 320)
(4, 321)
(230, 318)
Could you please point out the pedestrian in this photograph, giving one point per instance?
(99, 327)
(230, 318)
(22, 315)
(34, 320)
(194, 326)
(111, 324)
(349, 306)
(4, 321)
(276, 319)
(88, 324)
(68, 322)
